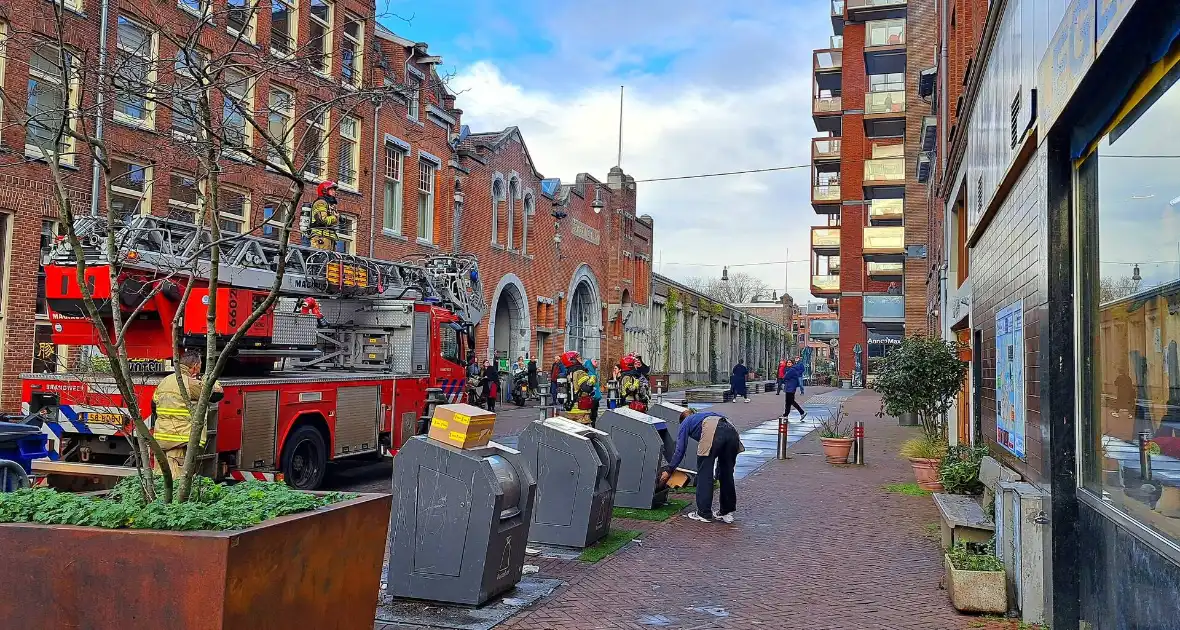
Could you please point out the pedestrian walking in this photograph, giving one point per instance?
(718, 445)
(532, 370)
(791, 384)
(491, 384)
(737, 381)
(782, 376)
(555, 372)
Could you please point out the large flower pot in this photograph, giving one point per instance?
(319, 569)
(976, 591)
(926, 473)
(836, 449)
(908, 419)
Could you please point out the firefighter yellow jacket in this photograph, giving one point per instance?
(173, 418)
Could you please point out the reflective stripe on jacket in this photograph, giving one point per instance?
(173, 418)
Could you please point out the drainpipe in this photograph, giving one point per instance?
(374, 164)
(100, 99)
(944, 102)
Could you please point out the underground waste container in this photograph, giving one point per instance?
(577, 468)
(670, 414)
(460, 521)
(22, 443)
(640, 440)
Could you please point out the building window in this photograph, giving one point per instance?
(346, 235)
(183, 198)
(234, 211)
(239, 102)
(524, 220)
(241, 18)
(72, 5)
(130, 189)
(135, 73)
(198, 8)
(892, 82)
(1128, 279)
(426, 172)
(513, 194)
(272, 217)
(319, 37)
(50, 230)
(497, 199)
(350, 156)
(189, 67)
(282, 111)
(315, 141)
(52, 94)
(283, 21)
(352, 53)
(415, 96)
(394, 169)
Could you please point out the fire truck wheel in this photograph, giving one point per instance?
(305, 459)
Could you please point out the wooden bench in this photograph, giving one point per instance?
(964, 518)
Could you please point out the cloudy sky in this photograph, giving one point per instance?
(709, 88)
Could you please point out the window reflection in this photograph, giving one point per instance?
(1131, 287)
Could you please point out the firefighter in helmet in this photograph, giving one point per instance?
(633, 388)
(173, 410)
(325, 218)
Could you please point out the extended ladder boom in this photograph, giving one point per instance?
(166, 246)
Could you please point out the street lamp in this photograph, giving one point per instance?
(597, 205)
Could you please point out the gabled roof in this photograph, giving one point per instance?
(495, 140)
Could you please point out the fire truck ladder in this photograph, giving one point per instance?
(163, 245)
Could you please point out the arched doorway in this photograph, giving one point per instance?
(509, 326)
(584, 315)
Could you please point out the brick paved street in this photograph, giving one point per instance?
(816, 546)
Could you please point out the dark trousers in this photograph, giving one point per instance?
(553, 393)
(593, 411)
(723, 457)
(778, 386)
(790, 402)
(739, 389)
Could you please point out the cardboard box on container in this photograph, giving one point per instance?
(463, 426)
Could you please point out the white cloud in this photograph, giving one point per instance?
(674, 128)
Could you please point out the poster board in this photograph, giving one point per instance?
(1010, 398)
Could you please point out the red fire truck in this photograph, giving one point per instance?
(348, 361)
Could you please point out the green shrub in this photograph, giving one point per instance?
(213, 506)
(959, 471)
(975, 557)
(923, 447)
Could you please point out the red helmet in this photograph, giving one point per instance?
(570, 358)
(627, 362)
(324, 187)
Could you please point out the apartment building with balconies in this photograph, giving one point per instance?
(868, 252)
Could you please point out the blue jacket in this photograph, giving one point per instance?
(791, 381)
(737, 379)
(690, 427)
(593, 371)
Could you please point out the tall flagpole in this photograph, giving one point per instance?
(619, 161)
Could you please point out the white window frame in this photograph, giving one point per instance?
(288, 139)
(72, 5)
(244, 217)
(326, 68)
(347, 236)
(144, 197)
(427, 173)
(201, 11)
(183, 206)
(69, 77)
(324, 127)
(358, 59)
(414, 105)
(242, 106)
(395, 170)
(292, 33)
(150, 60)
(251, 32)
(354, 153)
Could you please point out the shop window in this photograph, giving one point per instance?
(1129, 295)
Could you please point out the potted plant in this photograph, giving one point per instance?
(833, 434)
(959, 471)
(975, 579)
(925, 454)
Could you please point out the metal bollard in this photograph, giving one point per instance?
(660, 393)
(858, 435)
(782, 438)
(1145, 455)
(546, 412)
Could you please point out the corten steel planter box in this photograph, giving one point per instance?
(318, 569)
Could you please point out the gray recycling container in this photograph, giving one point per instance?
(640, 441)
(670, 414)
(577, 469)
(460, 521)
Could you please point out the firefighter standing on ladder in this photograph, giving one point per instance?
(325, 219)
(172, 410)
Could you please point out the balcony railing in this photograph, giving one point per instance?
(884, 170)
(885, 33)
(827, 105)
(838, 8)
(827, 239)
(892, 102)
(827, 60)
(886, 209)
(883, 240)
(824, 328)
(855, 5)
(836, 42)
(825, 149)
(825, 285)
(825, 193)
(887, 307)
(885, 269)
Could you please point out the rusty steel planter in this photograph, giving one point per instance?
(318, 569)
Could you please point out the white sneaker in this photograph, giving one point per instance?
(747, 400)
(726, 518)
(697, 517)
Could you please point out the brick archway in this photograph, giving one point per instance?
(583, 314)
(509, 321)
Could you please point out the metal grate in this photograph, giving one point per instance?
(259, 417)
(356, 420)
